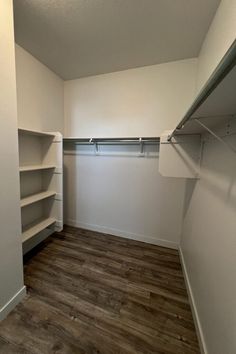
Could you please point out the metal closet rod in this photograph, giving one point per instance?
(112, 140)
(224, 67)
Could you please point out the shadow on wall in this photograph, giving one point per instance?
(219, 171)
(71, 184)
(65, 183)
(217, 174)
(189, 189)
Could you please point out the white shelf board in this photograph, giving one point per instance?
(35, 167)
(192, 127)
(36, 197)
(36, 227)
(221, 102)
(219, 107)
(215, 104)
(35, 132)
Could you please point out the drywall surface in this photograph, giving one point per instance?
(208, 243)
(11, 268)
(219, 38)
(209, 247)
(137, 102)
(40, 94)
(124, 195)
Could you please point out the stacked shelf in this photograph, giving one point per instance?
(34, 228)
(35, 132)
(35, 168)
(36, 198)
(40, 158)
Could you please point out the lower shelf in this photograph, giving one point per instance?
(35, 228)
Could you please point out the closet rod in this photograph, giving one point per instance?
(226, 64)
(109, 141)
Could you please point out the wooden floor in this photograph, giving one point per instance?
(99, 294)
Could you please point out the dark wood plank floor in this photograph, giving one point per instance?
(94, 293)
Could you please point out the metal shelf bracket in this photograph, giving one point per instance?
(228, 146)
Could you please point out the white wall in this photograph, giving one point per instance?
(208, 242)
(126, 195)
(123, 195)
(11, 269)
(137, 102)
(40, 94)
(209, 247)
(219, 38)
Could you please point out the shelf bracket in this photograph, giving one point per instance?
(95, 145)
(141, 147)
(228, 146)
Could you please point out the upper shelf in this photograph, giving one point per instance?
(35, 132)
(216, 102)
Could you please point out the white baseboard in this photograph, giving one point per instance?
(196, 318)
(124, 234)
(9, 306)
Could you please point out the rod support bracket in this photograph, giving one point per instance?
(217, 137)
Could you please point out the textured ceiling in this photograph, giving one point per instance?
(77, 38)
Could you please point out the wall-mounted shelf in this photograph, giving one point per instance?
(35, 133)
(215, 104)
(36, 198)
(212, 113)
(36, 227)
(35, 168)
(41, 153)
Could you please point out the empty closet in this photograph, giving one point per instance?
(118, 177)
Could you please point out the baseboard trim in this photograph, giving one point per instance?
(124, 234)
(196, 318)
(9, 306)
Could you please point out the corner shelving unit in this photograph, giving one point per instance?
(212, 115)
(41, 174)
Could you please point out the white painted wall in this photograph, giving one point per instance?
(208, 242)
(209, 247)
(126, 195)
(123, 195)
(219, 38)
(40, 94)
(11, 269)
(137, 102)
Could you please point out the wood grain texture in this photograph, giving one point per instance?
(94, 293)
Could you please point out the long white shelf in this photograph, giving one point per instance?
(35, 132)
(35, 167)
(36, 227)
(36, 198)
(215, 105)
